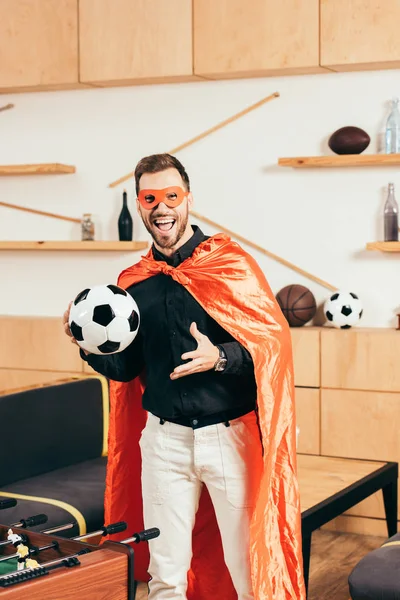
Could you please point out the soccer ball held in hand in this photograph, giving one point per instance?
(104, 319)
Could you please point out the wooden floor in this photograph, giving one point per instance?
(333, 555)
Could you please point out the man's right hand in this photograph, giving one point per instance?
(66, 324)
(67, 328)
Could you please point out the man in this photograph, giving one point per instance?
(213, 360)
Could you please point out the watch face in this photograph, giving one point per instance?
(220, 364)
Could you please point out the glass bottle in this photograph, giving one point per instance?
(87, 227)
(125, 222)
(391, 217)
(392, 133)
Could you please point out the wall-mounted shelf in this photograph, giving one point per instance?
(38, 169)
(384, 246)
(342, 160)
(71, 245)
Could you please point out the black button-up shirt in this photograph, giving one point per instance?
(167, 310)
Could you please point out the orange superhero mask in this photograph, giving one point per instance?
(232, 289)
(171, 196)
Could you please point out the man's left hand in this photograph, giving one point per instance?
(202, 359)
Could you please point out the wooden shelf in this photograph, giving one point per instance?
(343, 160)
(38, 169)
(70, 245)
(384, 246)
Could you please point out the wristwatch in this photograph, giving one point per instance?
(221, 360)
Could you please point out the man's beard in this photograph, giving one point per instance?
(164, 241)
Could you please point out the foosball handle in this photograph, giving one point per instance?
(33, 521)
(114, 528)
(7, 503)
(146, 535)
(143, 536)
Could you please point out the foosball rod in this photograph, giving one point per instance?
(24, 523)
(109, 530)
(58, 528)
(31, 521)
(33, 551)
(142, 536)
(31, 573)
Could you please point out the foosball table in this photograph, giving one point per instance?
(42, 565)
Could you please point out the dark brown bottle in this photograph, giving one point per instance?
(390, 217)
(125, 222)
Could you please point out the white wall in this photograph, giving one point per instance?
(318, 219)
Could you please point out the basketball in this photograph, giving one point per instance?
(297, 304)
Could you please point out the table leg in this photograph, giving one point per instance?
(390, 501)
(306, 547)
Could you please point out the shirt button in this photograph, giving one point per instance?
(195, 422)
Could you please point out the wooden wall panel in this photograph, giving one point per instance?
(308, 420)
(37, 343)
(11, 379)
(306, 355)
(38, 44)
(135, 41)
(360, 34)
(233, 38)
(360, 359)
(360, 424)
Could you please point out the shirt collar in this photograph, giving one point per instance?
(184, 251)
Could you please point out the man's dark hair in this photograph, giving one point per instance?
(160, 162)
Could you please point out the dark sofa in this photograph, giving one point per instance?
(54, 453)
(377, 575)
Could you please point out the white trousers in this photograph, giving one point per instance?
(176, 462)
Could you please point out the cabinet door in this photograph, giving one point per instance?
(363, 425)
(308, 420)
(360, 359)
(135, 41)
(233, 38)
(37, 344)
(306, 355)
(360, 34)
(38, 44)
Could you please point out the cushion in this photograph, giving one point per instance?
(377, 575)
(72, 494)
(52, 427)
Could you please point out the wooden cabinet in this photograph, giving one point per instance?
(12, 379)
(233, 38)
(38, 44)
(364, 425)
(37, 344)
(308, 420)
(360, 34)
(135, 41)
(306, 356)
(360, 359)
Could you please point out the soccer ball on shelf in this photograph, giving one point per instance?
(104, 319)
(343, 309)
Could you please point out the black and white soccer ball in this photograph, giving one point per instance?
(104, 319)
(343, 309)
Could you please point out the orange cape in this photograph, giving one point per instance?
(230, 286)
